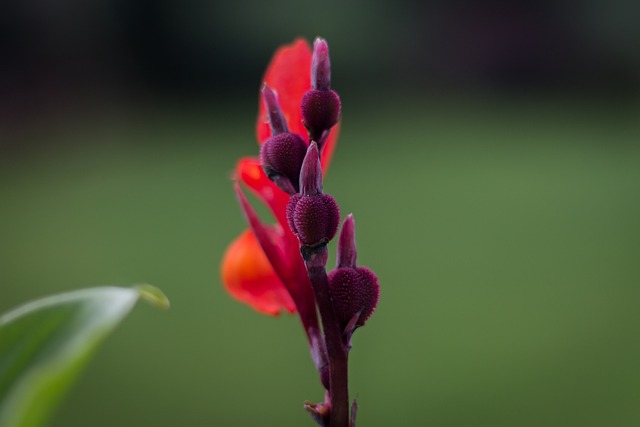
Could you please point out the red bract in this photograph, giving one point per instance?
(263, 267)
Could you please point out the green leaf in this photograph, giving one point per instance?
(45, 344)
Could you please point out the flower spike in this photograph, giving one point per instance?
(283, 266)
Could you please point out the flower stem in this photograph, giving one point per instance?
(315, 260)
(309, 318)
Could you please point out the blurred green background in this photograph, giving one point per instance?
(496, 191)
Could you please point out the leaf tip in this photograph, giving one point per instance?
(152, 295)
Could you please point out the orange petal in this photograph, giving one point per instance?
(249, 277)
(289, 74)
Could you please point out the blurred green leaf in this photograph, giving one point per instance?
(44, 344)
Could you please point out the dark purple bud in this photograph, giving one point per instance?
(311, 172)
(320, 106)
(354, 291)
(313, 219)
(347, 254)
(276, 119)
(320, 111)
(281, 157)
(320, 65)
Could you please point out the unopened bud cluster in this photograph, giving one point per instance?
(283, 153)
(354, 290)
(312, 215)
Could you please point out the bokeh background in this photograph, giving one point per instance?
(490, 152)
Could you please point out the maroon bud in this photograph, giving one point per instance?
(281, 157)
(354, 292)
(320, 65)
(313, 219)
(320, 106)
(282, 154)
(320, 111)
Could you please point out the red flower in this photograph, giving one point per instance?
(263, 267)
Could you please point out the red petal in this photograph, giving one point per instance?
(289, 74)
(271, 241)
(250, 172)
(249, 277)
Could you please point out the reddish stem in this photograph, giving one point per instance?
(315, 260)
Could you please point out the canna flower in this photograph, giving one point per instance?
(263, 267)
(283, 266)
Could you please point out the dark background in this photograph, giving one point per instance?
(489, 153)
(73, 55)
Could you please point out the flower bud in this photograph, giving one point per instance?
(320, 106)
(313, 217)
(281, 155)
(320, 111)
(353, 291)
